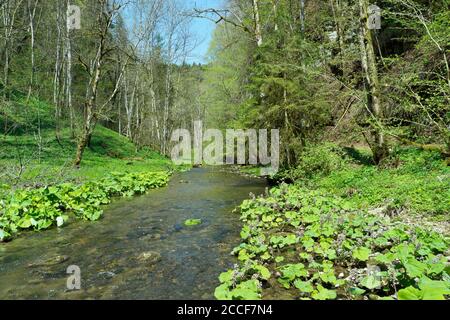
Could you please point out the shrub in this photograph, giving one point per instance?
(320, 160)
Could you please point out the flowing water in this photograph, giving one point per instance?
(141, 248)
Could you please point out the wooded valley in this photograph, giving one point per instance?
(92, 90)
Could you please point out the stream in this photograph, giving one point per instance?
(141, 248)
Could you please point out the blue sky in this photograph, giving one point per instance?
(202, 28)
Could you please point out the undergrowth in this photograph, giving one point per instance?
(318, 246)
(42, 208)
(320, 237)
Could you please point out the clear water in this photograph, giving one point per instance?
(108, 251)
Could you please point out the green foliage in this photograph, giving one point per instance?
(31, 154)
(282, 241)
(428, 290)
(322, 246)
(39, 209)
(316, 161)
(192, 222)
(361, 254)
(370, 282)
(27, 205)
(323, 294)
(291, 272)
(419, 183)
(229, 290)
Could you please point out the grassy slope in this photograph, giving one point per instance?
(414, 181)
(32, 159)
(411, 181)
(47, 161)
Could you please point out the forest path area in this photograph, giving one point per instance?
(141, 249)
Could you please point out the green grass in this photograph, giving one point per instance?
(44, 160)
(39, 185)
(419, 182)
(410, 180)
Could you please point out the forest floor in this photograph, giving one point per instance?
(31, 155)
(29, 160)
(39, 185)
(412, 183)
(346, 229)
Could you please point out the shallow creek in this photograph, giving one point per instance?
(141, 248)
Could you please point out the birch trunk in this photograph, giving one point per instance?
(105, 18)
(302, 16)
(57, 75)
(31, 16)
(68, 82)
(258, 29)
(9, 11)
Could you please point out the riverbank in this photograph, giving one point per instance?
(39, 186)
(141, 248)
(42, 208)
(339, 231)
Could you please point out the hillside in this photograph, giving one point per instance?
(31, 154)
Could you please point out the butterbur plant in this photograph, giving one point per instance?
(39, 209)
(318, 246)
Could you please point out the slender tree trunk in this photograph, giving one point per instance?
(90, 115)
(379, 147)
(302, 16)
(68, 84)
(126, 105)
(57, 75)
(119, 106)
(90, 119)
(92, 111)
(166, 108)
(258, 29)
(275, 14)
(31, 15)
(9, 10)
(336, 7)
(6, 22)
(155, 123)
(130, 110)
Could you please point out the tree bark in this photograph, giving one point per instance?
(302, 16)
(258, 29)
(68, 82)
(9, 17)
(57, 75)
(336, 7)
(105, 19)
(32, 15)
(369, 64)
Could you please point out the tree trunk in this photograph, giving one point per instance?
(302, 16)
(57, 75)
(9, 10)
(258, 32)
(92, 110)
(68, 84)
(82, 144)
(336, 7)
(275, 15)
(31, 15)
(379, 146)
